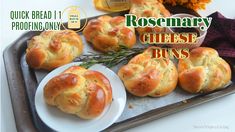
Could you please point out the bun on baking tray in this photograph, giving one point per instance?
(79, 91)
(148, 76)
(148, 8)
(108, 33)
(52, 49)
(203, 71)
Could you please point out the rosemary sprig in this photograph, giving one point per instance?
(108, 59)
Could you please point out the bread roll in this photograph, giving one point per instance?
(108, 33)
(149, 8)
(148, 76)
(203, 71)
(52, 49)
(79, 91)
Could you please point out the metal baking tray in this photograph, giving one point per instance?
(23, 82)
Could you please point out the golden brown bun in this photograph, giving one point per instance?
(149, 8)
(145, 75)
(203, 71)
(79, 91)
(108, 33)
(52, 49)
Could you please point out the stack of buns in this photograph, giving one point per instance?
(86, 93)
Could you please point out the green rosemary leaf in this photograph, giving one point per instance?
(108, 59)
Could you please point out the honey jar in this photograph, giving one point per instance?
(112, 5)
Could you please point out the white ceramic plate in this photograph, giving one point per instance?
(60, 121)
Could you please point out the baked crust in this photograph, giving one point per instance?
(79, 91)
(148, 76)
(149, 8)
(52, 49)
(108, 33)
(203, 71)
